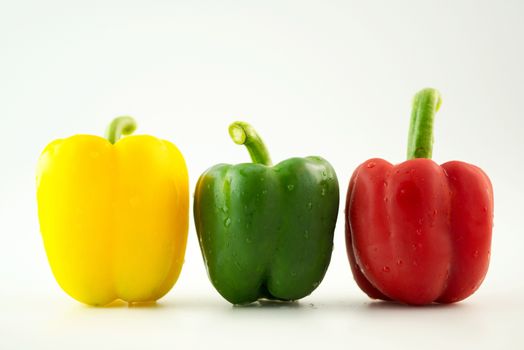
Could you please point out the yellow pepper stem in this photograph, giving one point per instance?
(124, 125)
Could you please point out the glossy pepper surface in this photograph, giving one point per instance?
(266, 232)
(113, 214)
(418, 232)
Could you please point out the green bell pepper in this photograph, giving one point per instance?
(266, 232)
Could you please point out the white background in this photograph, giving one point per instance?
(329, 78)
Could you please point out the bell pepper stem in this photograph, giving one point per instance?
(426, 103)
(244, 134)
(120, 126)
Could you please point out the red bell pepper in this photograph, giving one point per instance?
(418, 232)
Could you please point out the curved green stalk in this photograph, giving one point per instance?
(120, 126)
(426, 103)
(244, 134)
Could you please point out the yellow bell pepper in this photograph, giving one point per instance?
(113, 214)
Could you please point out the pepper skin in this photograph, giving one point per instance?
(418, 232)
(266, 232)
(113, 217)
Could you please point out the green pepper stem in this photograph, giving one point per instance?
(426, 103)
(244, 134)
(120, 126)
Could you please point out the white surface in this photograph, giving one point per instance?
(332, 78)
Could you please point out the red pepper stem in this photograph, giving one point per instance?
(120, 126)
(426, 103)
(244, 134)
